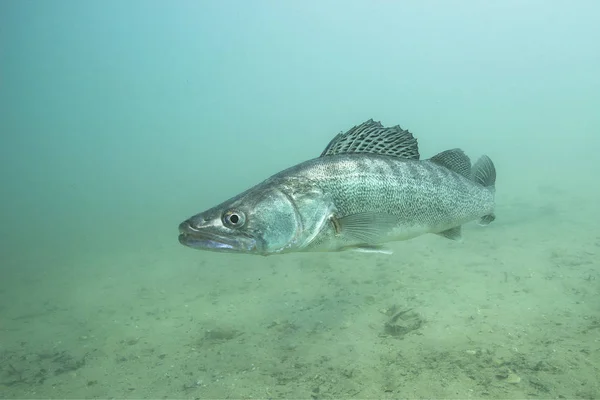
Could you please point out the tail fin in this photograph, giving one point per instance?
(484, 173)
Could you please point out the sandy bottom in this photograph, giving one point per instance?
(513, 311)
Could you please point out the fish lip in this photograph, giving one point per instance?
(204, 239)
(196, 242)
(192, 237)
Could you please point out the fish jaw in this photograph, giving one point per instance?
(198, 233)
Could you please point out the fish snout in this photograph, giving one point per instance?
(193, 224)
(190, 229)
(184, 227)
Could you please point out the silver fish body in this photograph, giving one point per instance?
(367, 188)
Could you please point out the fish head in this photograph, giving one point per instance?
(266, 219)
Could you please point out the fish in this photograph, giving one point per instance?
(367, 188)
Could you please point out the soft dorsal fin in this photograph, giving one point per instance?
(455, 160)
(372, 137)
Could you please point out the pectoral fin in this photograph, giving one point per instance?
(369, 228)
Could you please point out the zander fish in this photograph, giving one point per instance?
(367, 188)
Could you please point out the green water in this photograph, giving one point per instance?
(120, 119)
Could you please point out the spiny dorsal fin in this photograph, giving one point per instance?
(373, 138)
(455, 160)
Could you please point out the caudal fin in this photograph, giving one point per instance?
(484, 173)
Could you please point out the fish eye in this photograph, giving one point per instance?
(234, 219)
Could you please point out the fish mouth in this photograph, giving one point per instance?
(203, 239)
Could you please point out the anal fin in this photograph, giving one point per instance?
(486, 219)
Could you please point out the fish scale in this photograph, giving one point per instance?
(419, 195)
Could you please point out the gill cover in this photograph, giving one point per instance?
(286, 219)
